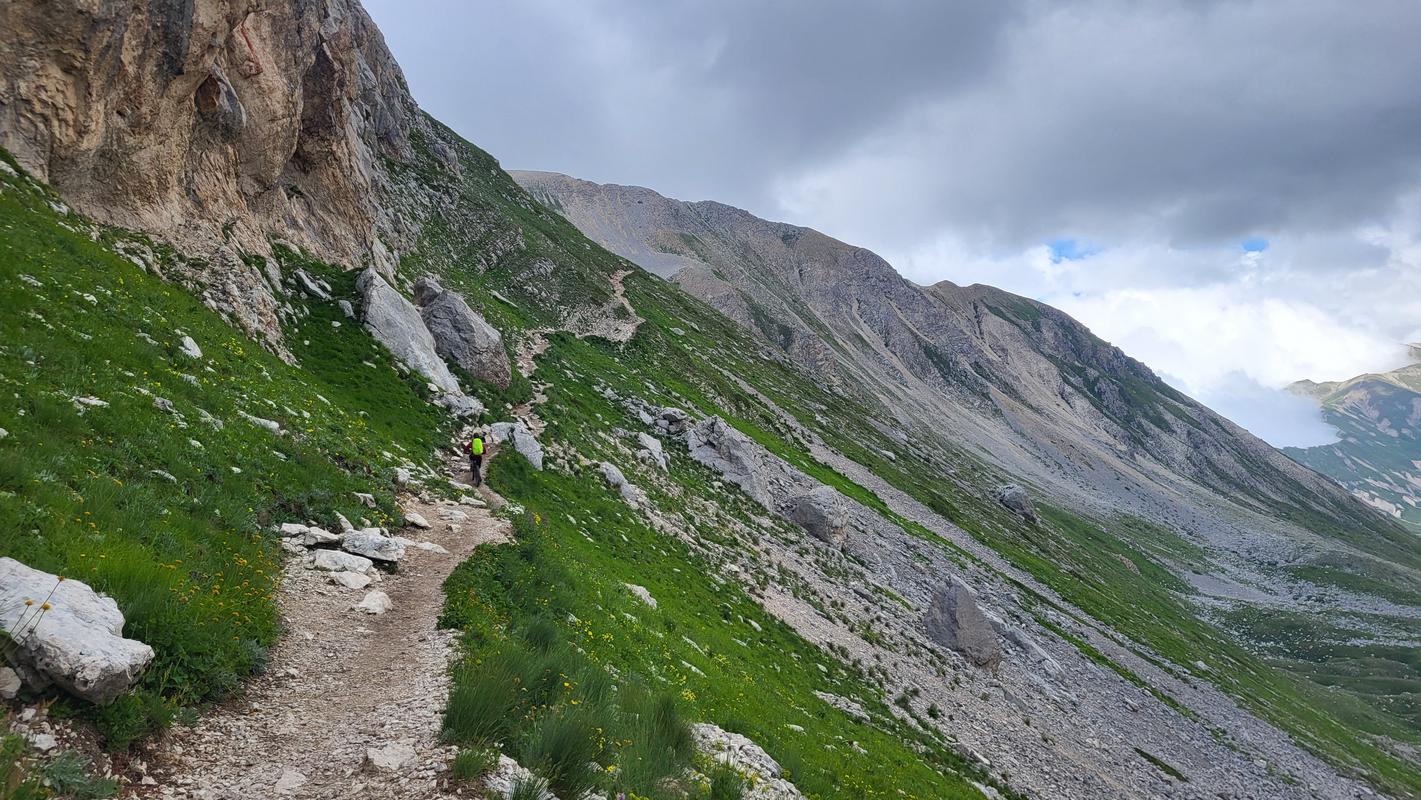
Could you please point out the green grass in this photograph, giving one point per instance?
(571, 576)
(166, 512)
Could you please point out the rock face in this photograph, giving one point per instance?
(183, 118)
(731, 453)
(461, 335)
(820, 511)
(522, 439)
(955, 621)
(77, 643)
(1014, 497)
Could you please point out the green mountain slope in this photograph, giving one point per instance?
(1118, 676)
(1378, 457)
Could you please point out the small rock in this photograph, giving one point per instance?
(164, 404)
(402, 476)
(42, 742)
(391, 757)
(366, 498)
(1014, 497)
(417, 520)
(350, 580)
(315, 537)
(642, 594)
(289, 782)
(9, 683)
(189, 348)
(293, 529)
(345, 526)
(375, 603)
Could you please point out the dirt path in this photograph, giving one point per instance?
(341, 683)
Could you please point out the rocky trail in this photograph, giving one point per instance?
(350, 705)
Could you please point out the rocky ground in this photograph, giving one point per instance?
(350, 705)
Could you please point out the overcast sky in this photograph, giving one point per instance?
(1230, 191)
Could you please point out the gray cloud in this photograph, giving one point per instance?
(956, 138)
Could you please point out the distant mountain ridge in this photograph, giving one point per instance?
(1378, 417)
(1011, 378)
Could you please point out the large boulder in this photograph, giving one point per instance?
(461, 335)
(77, 643)
(521, 438)
(820, 511)
(731, 453)
(955, 621)
(397, 324)
(1014, 497)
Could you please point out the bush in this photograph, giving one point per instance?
(725, 783)
(470, 765)
(69, 775)
(529, 787)
(561, 745)
(480, 709)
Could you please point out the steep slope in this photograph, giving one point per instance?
(709, 534)
(1021, 383)
(1378, 419)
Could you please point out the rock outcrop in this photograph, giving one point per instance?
(522, 439)
(210, 123)
(461, 335)
(734, 455)
(67, 634)
(762, 772)
(397, 324)
(954, 620)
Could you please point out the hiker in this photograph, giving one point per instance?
(475, 449)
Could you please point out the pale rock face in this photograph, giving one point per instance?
(955, 621)
(396, 323)
(392, 757)
(641, 593)
(184, 119)
(651, 449)
(350, 580)
(461, 335)
(731, 453)
(77, 644)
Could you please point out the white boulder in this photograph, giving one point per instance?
(338, 561)
(374, 545)
(77, 643)
(375, 603)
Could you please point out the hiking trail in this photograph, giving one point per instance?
(350, 704)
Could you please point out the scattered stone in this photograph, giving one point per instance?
(77, 643)
(402, 476)
(271, 425)
(642, 594)
(350, 580)
(90, 402)
(310, 285)
(346, 309)
(651, 449)
(167, 476)
(375, 603)
(1014, 497)
(747, 758)
(345, 526)
(189, 348)
(318, 537)
(367, 499)
(340, 561)
(416, 519)
(955, 621)
(391, 757)
(42, 742)
(164, 404)
(3, 433)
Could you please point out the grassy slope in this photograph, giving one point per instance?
(1079, 558)
(190, 560)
